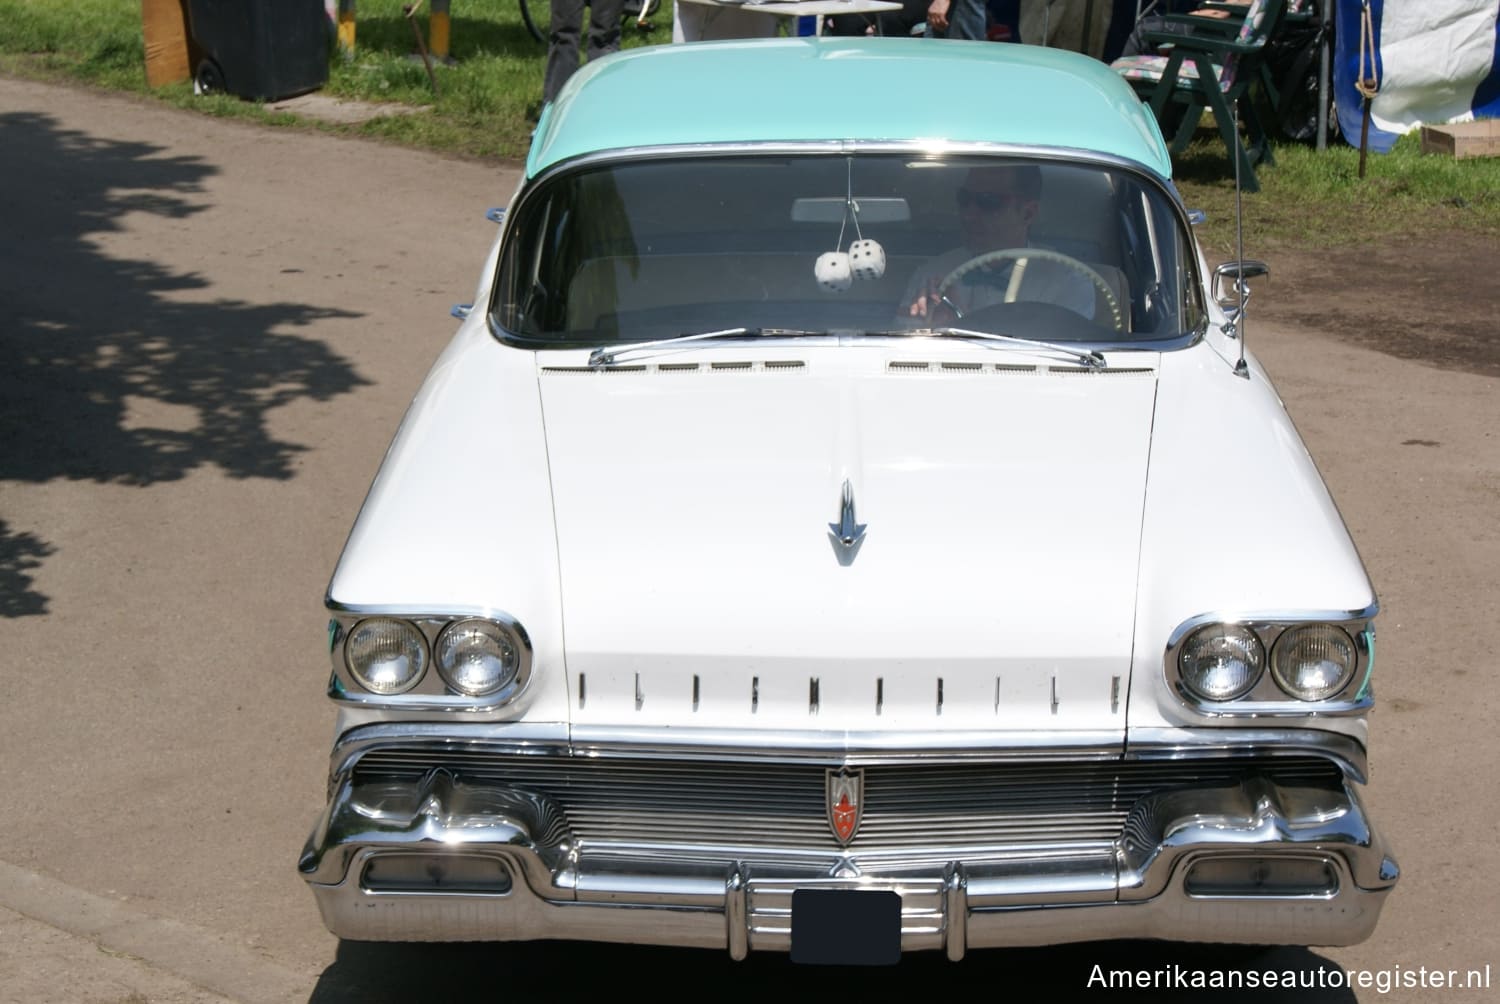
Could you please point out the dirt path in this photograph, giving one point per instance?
(208, 333)
(1427, 301)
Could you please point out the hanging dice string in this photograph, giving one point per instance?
(836, 270)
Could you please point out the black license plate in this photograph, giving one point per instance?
(846, 927)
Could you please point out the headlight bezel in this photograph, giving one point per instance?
(1268, 697)
(431, 692)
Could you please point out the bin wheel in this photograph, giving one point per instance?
(209, 79)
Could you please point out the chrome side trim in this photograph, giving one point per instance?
(1218, 742)
(514, 739)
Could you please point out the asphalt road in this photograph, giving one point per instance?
(208, 333)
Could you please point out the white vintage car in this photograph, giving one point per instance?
(849, 523)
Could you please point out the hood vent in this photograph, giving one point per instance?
(731, 366)
(1013, 369)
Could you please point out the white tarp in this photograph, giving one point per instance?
(1435, 62)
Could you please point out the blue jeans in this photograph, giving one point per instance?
(966, 19)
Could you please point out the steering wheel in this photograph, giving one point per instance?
(1020, 256)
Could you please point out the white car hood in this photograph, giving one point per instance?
(994, 589)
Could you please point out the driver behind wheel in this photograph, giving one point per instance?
(996, 207)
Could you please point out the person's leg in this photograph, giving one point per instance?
(968, 19)
(604, 26)
(562, 46)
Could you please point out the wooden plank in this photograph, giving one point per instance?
(1463, 139)
(165, 26)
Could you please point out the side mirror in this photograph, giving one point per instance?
(1232, 281)
(1232, 291)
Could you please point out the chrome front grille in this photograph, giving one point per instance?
(771, 806)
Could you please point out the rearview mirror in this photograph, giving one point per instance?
(873, 209)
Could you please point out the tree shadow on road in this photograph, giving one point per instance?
(374, 973)
(118, 370)
(19, 554)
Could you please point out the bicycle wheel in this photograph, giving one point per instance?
(537, 16)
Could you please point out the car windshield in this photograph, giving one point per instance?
(647, 249)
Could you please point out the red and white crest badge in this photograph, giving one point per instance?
(846, 802)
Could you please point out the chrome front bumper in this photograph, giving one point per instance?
(453, 859)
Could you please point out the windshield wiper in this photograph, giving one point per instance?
(607, 355)
(1090, 358)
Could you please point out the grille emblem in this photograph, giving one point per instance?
(845, 802)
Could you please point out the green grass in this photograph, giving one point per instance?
(95, 41)
(1316, 199)
(480, 108)
(1309, 199)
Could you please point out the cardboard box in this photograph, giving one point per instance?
(169, 56)
(1463, 139)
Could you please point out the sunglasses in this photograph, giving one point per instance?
(988, 202)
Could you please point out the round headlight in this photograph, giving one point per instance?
(477, 657)
(1220, 662)
(385, 655)
(1313, 662)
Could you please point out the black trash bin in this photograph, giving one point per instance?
(260, 49)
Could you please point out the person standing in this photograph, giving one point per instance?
(957, 19)
(1075, 25)
(567, 26)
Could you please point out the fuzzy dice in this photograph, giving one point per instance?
(867, 259)
(833, 272)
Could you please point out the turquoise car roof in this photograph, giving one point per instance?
(871, 89)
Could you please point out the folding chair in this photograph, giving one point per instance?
(1212, 67)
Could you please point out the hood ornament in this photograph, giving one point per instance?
(846, 534)
(846, 806)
